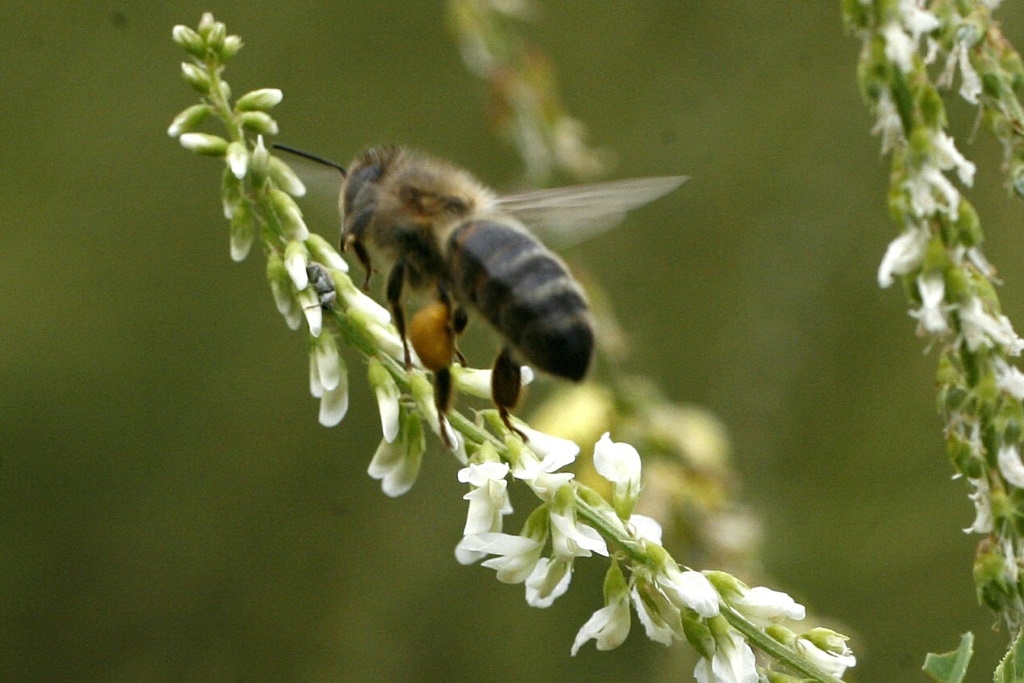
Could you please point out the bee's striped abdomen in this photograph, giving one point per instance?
(525, 292)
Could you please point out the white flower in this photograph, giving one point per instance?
(970, 85)
(981, 329)
(948, 157)
(241, 239)
(899, 47)
(618, 462)
(238, 159)
(765, 606)
(827, 649)
(889, 125)
(608, 626)
(387, 394)
(904, 254)
(309, 304)
(334, 403)
(921, 186)
(689, 589)
(646, 528)
(328, 380)
(354, 299)
(488, 501)
(1011, 466)
(295, 260)
(932, 315)
(977, 257)
(917, 20)
(1009, 378)
(733, 661)
(325, 367)
(548, 581)
(538, 464)
(477, 381)
(983, 522)
(655, 612)
(284, 298)
(516, 556)
(397, 464)
(569, 537)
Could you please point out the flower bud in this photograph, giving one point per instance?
(190, 40)
(230, 48)
(295, 259)
(258, 122)
(324, 252)
(237, 158)
(242, 231)
(285, 177)
(259, 100)
(188, 120)
(289, 214)
(196, 77)
(206, 24)
(204, 143)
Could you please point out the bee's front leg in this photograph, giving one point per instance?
(353, 241)
(396, 280)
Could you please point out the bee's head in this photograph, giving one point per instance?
(367, 168)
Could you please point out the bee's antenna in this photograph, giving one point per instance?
(312, 157)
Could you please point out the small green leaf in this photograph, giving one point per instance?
(951, 667)
(1011, 669)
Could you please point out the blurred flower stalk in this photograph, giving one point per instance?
(718, 615)
(911, 50)
(524, 102)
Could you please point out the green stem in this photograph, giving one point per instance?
(776, 650)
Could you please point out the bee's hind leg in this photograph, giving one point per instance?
(443, 402)
(506, 386)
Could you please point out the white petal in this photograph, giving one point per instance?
(548, 581)
(1009, 378)
(334, 404)
(295, 263)
(904, 254)
(328, 362)
(608, 626)
(617, 462)
(387, 404)
(656, 629)
(1011, 466)
(479, 474)
(691, 589)
(765, 606)
(396, 466)
(241, 243)
(646, 527)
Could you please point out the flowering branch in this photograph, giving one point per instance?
(716, 613)
(938, 256)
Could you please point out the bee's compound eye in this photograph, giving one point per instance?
(430, 333)
(357, 179)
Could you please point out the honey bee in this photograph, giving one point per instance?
(443, 230)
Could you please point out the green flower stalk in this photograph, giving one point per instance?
(718, 615)
(912, 49)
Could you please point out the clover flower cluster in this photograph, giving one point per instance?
(938, 255)
(716, 613)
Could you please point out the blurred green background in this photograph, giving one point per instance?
(170, 508)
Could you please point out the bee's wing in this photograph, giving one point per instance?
(564, 216)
